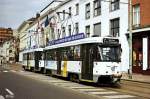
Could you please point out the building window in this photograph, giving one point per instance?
(63, 14)
(69, 30)
(136, 15)
(63, 32)
(97, 29)
(97, 7)
(87, 31)
(87, 11)
(114, 5)
(70, 12)
(77, 9)
(58, 33)
(10, 51)
(114, 27)
(77, 28)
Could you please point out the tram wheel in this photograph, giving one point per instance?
(74, 78)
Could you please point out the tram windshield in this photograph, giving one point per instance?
(110, 53)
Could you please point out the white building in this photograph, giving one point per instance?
(91, 17)
(8, 51)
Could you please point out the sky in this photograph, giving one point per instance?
(14, 12)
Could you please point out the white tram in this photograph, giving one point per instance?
(33, 60)
(95, 59)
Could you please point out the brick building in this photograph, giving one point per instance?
(9, 44)
(141, 36)
(5, 34)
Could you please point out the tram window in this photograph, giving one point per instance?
(96, 53)
(50, 56)
(41, 56)
(111, 53)
(32, 56)
(64, 55)
(77, 52)
(29, 56)
(25, 56)
(70, 53)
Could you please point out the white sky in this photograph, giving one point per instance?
(14, 12)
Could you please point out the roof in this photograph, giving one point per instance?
(29, 21)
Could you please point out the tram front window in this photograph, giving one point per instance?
(111, 53)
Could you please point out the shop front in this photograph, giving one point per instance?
(141, 52)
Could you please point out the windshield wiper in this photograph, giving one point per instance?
(107, 56)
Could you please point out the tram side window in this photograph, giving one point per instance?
(71, 53)
(41, 56)
(50, 56)
(25, 57)
(64, 55)
(96, 53)
(32, 56)
(29, 57)
(77, 54)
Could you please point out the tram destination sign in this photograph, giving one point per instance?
(110, 41)
(67, 39)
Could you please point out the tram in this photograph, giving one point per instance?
(33, 60)
(94, 59)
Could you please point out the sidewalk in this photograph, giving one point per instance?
(137, 78)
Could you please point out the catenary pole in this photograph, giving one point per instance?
(130, 39)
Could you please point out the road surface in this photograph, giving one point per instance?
(29, 85)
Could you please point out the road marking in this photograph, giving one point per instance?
(13, 71)
(57, 81)
(69, 84)
(81, 87)
(46, 78)
(87, 89)
(11, 93)
(119, 96)
(1, 97)
(5, 71)
(91, 89)
(103, 93)
(21, 71)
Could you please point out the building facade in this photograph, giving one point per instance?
(141, 36)
(7, 50)
(91, 17)
(23, 36)
(5, 34)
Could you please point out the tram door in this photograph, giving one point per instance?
(87, 63)
(58, 62)
(37, 56)
(27, 59)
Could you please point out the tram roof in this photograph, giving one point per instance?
(33, 50)
(78, 42)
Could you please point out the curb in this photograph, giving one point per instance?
(136, 81)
